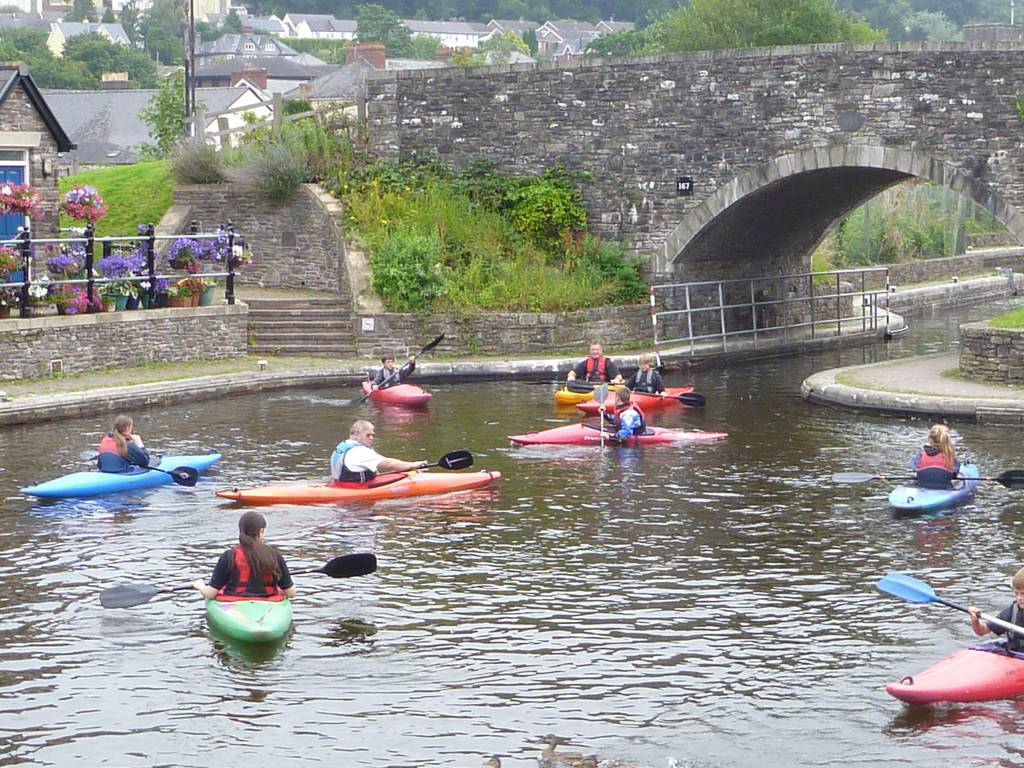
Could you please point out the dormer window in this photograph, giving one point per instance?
(270, 47)
(249, 46)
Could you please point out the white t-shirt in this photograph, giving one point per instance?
(362, 458)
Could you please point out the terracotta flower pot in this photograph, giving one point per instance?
(5, 312)
(178, 301)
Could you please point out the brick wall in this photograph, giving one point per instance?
(296, 244)
(504, 333)
(18, 114)
(992, 354)
(961, 266)
(110, 339)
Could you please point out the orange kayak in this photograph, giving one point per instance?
(396, 485)
(647, 402)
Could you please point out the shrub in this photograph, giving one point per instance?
(276, 169)
(407, 273)
(546, 209)
(194, 163)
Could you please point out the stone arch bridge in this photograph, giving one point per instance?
(781, 143)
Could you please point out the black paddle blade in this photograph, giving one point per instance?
(582, 387)
(185, 475)
(456, 460)
(693, 399)
(128, 595)
(432, 344)
(358, 564)
(1011, 478)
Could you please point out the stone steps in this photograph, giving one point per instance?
(319, 327)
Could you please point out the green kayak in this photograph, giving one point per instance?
(255, 621)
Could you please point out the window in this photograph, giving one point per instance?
(249, 46)
(270, 47)
(12, 156)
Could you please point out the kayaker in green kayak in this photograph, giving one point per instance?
(355, 461)
(121, 449)
(646, 379)
(936, 464)
(250, 570)
(596, 368)
(1014, 613)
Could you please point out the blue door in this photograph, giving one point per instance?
(9, 224)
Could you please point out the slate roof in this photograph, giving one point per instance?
(323, 22)
(234, 44)
(75, 28)
(266, 24)
(515, 25)
(278, 67)
(344, 83)
(444, 27)
(107, 126)
(32, 20)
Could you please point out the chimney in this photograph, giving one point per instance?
(374, 53)
(114, 81)
(247, 29)
(255, 75)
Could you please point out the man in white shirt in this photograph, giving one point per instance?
(355, 461)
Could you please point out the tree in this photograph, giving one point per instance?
(162, 30)
(99, 55)
(629, 42)
(29, 46)
(530, 38)
(232, 23)
(130, 22)
(82, 10)
(108, 16)
(924, 25)
(423, 47)
(377, 23)
(165, 116)
(715, 24)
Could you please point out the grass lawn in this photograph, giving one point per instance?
(137, 194)
(1014, 319)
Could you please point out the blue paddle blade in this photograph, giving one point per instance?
(907, 588)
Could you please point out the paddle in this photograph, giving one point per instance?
(187, 476)
(1011, 478)
(601, 394)
(916, 591)
(583, 387)
(127, 595)
(454, 460)
(692, 399)
(398, 371)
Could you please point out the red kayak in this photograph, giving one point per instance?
(645, 401)
(981, 673)
(587, 434)
(400, 394)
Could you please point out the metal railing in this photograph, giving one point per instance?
(85, 237)
(774, 308)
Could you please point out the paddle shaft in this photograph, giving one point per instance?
(991, 621)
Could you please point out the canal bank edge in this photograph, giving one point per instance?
(915, 386)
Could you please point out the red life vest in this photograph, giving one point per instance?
(245, 588)
(109, 444)
(600, 368)
(938, 461)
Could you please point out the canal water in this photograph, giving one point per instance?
(691, 606)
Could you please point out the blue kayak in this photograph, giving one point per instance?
(82, 484)
(913, 499)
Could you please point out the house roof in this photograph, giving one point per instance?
(74, 28)
(233, 43)
(515, 25)
(266, 24)
(406, 64)
(107, 126)
(33, 20)
(10, 78)
(323, 22)
(278, 67)
(617, 26)
(444, 27)
(344, 83)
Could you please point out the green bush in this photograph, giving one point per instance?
(547, 210)
(407, 272)
(194, 163)
(276, 169)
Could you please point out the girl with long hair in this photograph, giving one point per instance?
(936, 463)
(252, 569)
(121, 449)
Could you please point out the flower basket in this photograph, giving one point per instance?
(19, 199)
(84, 204)
(5, 312)
(179, 301)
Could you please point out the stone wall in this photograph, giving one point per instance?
(961, 266)
(111, 339)
(992, 354)
(503, 333)
(19, 114)
(296, 244)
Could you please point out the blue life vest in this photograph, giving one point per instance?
(342, 473)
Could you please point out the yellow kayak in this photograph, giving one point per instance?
(568, 397)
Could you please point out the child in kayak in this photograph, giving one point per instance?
(1014, 613)
(646, 379)
(121, 449)
(387, 376)
(628, 419)
(936, 463)
(251, 569)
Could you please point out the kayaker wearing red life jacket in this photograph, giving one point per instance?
(627, 419)
(387, 376)
(646, 379)
(936, 463)
(1014, 613)
(596, 367)
(120, 450)
(250, 570)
